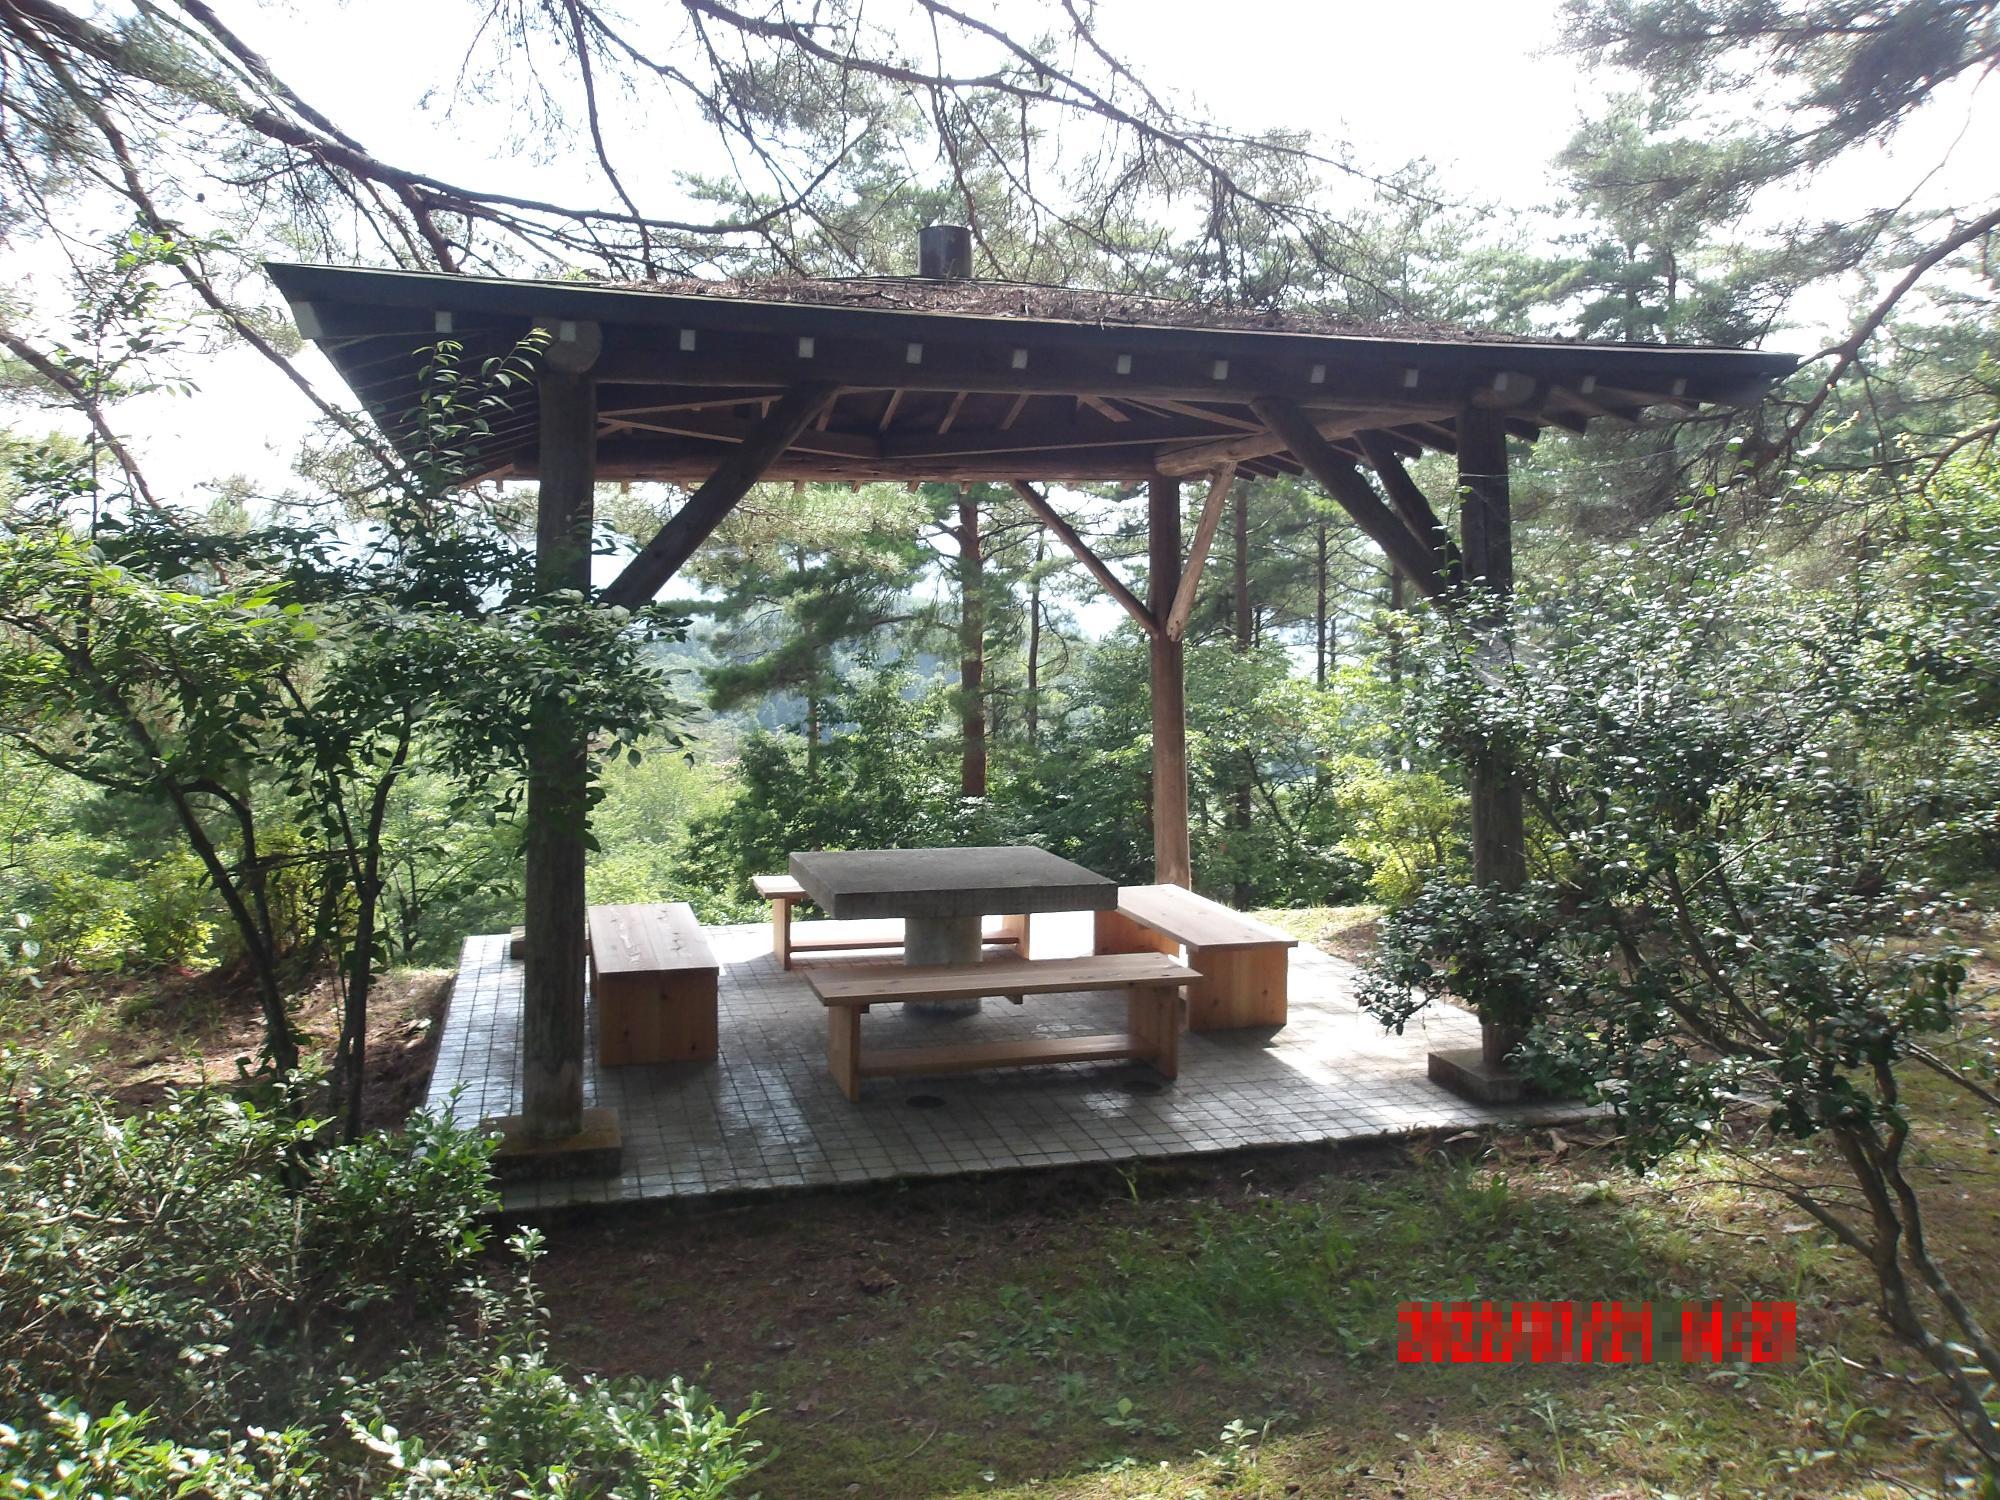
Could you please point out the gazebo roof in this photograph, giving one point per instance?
(977, 380)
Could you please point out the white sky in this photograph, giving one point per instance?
(1466, 83)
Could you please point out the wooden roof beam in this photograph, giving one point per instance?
(1590, 405)
(1099, 569)
(1344, 482)
(743, 466)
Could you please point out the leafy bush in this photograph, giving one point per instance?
(156, 919)
(254, 1315)
(1405, 825)
(182, 1258)
(1741, 792)
(69, 1455)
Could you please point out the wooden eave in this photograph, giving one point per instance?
(926, 395)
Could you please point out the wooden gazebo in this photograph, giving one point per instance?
(720, 386)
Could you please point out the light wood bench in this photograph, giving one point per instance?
(789, 937)
(1244, 966)
(1151, 983)
(654, 980)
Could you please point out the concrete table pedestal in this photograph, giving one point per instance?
(942, 895)
(943, 940)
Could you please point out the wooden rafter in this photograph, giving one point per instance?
(1200, 413)
(703, 511)
(1199, 458)
(731, 430)
(659, 409)
(1204, 538)
(1099, 569)
(1038, 436)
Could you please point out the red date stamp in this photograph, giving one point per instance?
(1605, 1333)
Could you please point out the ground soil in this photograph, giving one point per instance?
(146, 1034)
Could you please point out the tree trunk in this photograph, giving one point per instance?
(1171, 862)
(552, 1026)
(1396, 607)
(1322, 661)
(971, 650)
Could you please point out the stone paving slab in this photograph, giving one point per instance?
(767, 1115)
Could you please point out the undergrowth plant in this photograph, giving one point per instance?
(203, 1299)
(1742, 795)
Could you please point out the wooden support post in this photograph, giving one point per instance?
(1499, 831)
(781, 930)
(558, 775)
(1171, 862)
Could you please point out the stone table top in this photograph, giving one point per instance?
(927, 883)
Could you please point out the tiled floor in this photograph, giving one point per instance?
(767, 1115)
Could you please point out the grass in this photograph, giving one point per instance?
(1228, 1329)
(1345, 931)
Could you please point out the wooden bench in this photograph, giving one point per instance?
(789, 937)
(1244, 965)
(1151, 983)
(654, 981)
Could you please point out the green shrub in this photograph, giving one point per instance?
(251, 1315)
(104, 925)
(69, 1455)
(1407, 826)
(191, 1258)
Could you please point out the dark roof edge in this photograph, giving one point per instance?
(433, 291)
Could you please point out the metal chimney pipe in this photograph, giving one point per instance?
(944, 252)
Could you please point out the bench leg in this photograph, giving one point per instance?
(1153, 1016)
(843, 1048)
(1018, 927)
(1238, 987)
(781, 930)
(1118, 933)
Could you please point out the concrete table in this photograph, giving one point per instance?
(942, 895)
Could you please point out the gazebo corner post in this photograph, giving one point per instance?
(554, 1128)
(1171, 861)
(1499, 825)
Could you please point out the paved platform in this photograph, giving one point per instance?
(767, 1115)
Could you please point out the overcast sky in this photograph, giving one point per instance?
(1469, 84)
